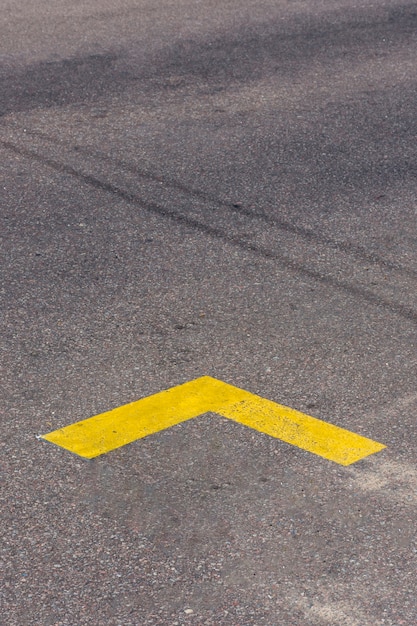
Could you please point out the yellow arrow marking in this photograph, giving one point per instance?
(107, 431)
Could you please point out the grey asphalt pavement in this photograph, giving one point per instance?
(223, 189)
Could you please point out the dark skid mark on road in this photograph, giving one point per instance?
(398, 309)
(237, 207)
(235, 57)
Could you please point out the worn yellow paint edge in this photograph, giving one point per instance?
(110, 430)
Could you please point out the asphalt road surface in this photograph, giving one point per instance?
(210, 188)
